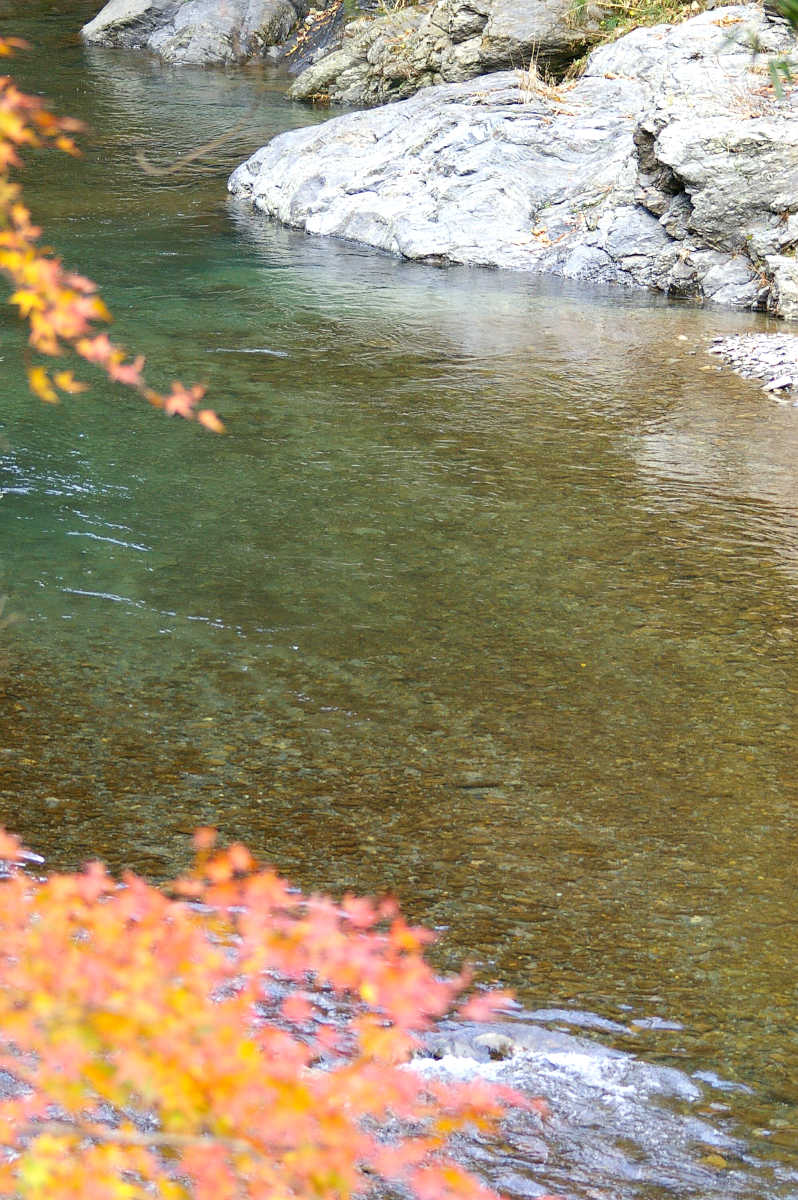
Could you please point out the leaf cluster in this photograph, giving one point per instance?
(61, 308)
(225, 1039)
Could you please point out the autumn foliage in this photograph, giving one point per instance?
(224, 1038)
(62, 309)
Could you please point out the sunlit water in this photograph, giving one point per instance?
(487, 598)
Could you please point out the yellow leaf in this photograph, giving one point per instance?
(209, 419)
(99, 309)
(67, 145)
(39, 381)
(368, 992)
(67, 382)
(26, 301)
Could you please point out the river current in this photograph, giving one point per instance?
(486, 599)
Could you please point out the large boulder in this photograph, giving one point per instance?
(196, 31)
(667, 165)
(393, 56)
(129, 23)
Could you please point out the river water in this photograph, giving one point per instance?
(486, 599)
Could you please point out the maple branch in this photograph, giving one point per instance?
(61, 308)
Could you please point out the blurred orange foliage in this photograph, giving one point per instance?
(223, 1038)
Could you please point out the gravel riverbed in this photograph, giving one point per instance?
(770, 357)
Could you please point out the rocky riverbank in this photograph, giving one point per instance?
(395, 55)
(668, 165)
(771, 358)
(199, 32)
(390, 53)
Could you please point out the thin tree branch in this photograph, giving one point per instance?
(124, 1137)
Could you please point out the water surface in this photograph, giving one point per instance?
(487, 598)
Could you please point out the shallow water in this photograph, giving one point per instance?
(487, 598)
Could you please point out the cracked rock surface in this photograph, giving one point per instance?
(666, 165)
(392, 57)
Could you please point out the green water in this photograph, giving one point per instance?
(487, 598)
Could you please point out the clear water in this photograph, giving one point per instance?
(487, 598)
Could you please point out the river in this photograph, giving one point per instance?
(486, 599)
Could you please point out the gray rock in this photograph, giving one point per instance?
(318, 36)
(497, 1045)
(371, 66)
(393, 56)
(662, 167)
(784, 290)
(129, 23)
(768, 357)
(196, 31)
(780, 384)
(519, 31)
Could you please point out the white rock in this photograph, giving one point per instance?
(660, 167)
(195, 31)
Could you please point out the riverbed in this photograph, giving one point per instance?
(486, 599)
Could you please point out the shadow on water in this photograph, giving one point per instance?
(487, 598)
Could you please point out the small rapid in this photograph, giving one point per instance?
(618, 1125)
